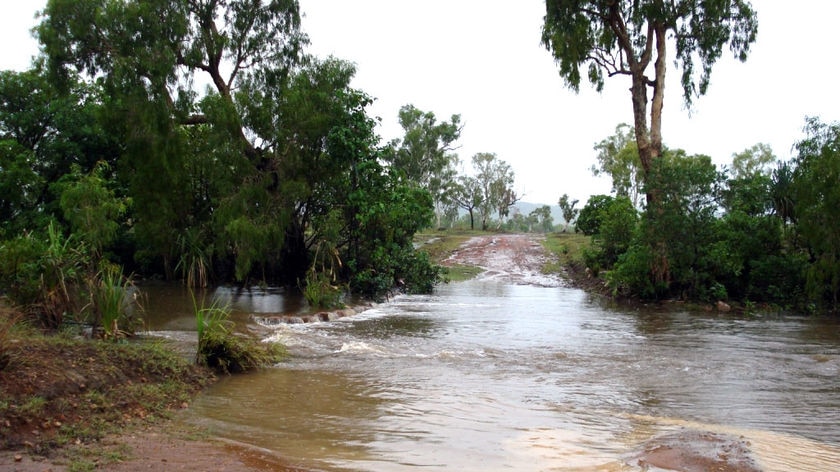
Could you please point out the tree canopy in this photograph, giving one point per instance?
(624, 38)
(197, 140)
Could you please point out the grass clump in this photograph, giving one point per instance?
(111, 300)
(225, 351)
(320, 292)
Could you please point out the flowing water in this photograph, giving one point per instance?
(488, 375)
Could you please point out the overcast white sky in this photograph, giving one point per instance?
(482, 59)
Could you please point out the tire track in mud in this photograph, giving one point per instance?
(513, 258)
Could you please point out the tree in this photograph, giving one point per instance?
(425, 156)
(92, 209)
(817, 207)
(627, 38)
(567, 206)
(542, 216)
(495, 181)
(615, 38)
(618, 157)
(468, 196)
(591, 215)
(273, 170)
(149, 57)
(753, 161)
(44, 132)
(781, 192)
(684, 222)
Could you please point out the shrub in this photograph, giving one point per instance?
(225, 351)
(320, 292)
(43, 275)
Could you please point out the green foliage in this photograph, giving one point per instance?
(384, 215)
(592, 214)
(112, 297)
(781, 192)
(91, 208)
(494, 186)
(60, 271)
(319, 291)
(20, 268)
(467, 194)
(612, 38)
(679, 228)
(618, 157)
(567, 206)
(617, 230)
(195, 259)
(817, 208)
(43, 133)
(320, 288)
(631, 274)
(225, 351)
(754, 161)
(612, 223)
(542, 216)
(424, 155)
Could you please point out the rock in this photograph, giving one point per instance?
(18, 457)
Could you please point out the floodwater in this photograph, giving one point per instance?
(489, 375)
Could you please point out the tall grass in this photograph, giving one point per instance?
(194, 259)
(61, 270)
(112, 294)
(319, 291)
(225, 351)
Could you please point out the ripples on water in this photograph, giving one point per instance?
(492, 376)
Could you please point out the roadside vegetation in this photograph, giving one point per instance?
(61, 393)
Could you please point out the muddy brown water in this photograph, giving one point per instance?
(496, 374)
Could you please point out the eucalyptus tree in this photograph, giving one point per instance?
(495, 185)
(627, 38)
(425, 155)
(610, 38)
(542, 216)
(755, 160)
(567, 206)
(468, 196)
(618, 157)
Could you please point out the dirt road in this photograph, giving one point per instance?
(513, 258)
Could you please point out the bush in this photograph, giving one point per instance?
(43, 275)
(221, 349)
(320, 292)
